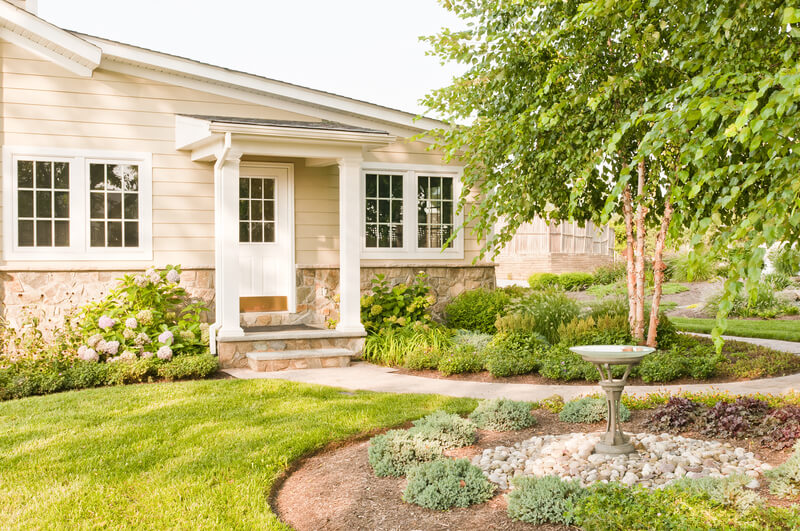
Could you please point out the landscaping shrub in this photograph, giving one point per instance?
(684, 360)
(781, 427)
(701, 267)
(560, 363)
(737, 419)
(746, 360)
(611, 307)
(501, 414)
(396, 451)
(553, 404)
(396, 306)
(185, 367)
(678, 413)
(761, 301)
(513, 353)
(777, 281)
(417, 346)
(610, 274)
(785, 479)
(785, 260)
(575, 281)
(542, 500)
(589, 410)
(478, 340)
(547, 310)
(449, 429)
(541, 281)
(447, 483)
(462, 359)
(605, 330)
(476, 310)
(730, 491)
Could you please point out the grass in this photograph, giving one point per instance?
(766, 329)
(201, 454)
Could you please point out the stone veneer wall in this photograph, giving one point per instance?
(49, 295)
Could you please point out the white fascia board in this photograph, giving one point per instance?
(66, 49)
(120, 54)
(299, 133)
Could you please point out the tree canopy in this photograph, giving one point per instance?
(570, 103)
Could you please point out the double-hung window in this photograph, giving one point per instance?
(76, 205)
(410, 212)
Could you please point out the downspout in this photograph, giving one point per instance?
(226, 147)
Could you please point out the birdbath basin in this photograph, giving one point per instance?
(604, 357)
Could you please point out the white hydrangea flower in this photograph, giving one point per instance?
(112, 347)
(140, 281)
(164, 353)
(147, 355)
(173, 276)
(145, 317)
(131, 323)
(141, 339)
(128, 334)
(94, 340)
(128, 355)
(89, 354)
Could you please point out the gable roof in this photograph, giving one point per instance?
(81, 54)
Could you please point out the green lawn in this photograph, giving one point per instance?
(185, 455)
(767, 329)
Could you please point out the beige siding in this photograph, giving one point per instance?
(44, 105)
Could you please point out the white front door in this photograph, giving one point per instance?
(266, 233)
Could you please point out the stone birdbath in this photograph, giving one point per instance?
(603, 357)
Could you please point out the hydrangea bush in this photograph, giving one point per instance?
(148, 315)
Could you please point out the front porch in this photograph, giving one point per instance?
(256, 270)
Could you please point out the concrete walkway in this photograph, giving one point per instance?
(368, 377)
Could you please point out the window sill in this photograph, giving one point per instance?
(401, 254)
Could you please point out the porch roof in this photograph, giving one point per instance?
(326, 125)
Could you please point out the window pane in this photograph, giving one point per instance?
(397, 186)
(97, 231)
(397, 240)
(44, 233)
(97, 175)
(436, 188)
(114, 234)
(422, 237)
(384, 185)
(61, 179)
(269, 189)
(114, 206)
(131, 206)
(447, 212)
(256, 232)
(44, 174)
(269, 210)
(372, 235)
(383, 236)
(114, 177)
(422, 187)
(61, 204)
(447, 231)
(44, 204)
(244, 187)
(244, 210)
(62, 233)
(130, 177)
(372, 211)
(256, 212)
(383, 211)
(25, 233)
(25, 174)
(97, 205)
(447, 187)
(269, 232)
(244, 232)
(397, 211)
(372, 185)
(256, 188)
(131, 234)
(25, 204)
(422, 215)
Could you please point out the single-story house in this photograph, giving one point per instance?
(280, 202)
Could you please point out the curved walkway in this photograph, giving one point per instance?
(367, 377)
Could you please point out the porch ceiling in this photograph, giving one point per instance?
(204, 136)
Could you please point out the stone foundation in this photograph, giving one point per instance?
(50, 295)
(232, 354)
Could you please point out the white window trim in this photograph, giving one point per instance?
(79, 248)
(409, 250)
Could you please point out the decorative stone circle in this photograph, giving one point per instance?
(657, 461)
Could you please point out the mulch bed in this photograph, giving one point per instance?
(337, 490)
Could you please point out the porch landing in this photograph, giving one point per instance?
(282, 348)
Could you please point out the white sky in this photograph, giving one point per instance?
(364, 49)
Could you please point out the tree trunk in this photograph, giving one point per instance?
(641, 212)
(658, 272)
(627, 210)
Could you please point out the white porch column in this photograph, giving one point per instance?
(349, 246)
(226, 255)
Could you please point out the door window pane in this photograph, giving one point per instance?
(256, 205)
(42, 208)
(383, 210)
(114, 196)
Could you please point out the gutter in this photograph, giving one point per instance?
(226, 147)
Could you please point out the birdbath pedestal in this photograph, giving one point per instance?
(603, 357)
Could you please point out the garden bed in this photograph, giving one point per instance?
(338, 489)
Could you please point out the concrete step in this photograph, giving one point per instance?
(282, 360)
